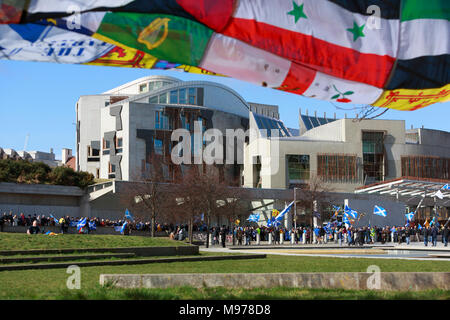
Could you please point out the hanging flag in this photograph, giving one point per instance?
(281, 215)
(410, 216)
(350, 212)
(254, 217)
(379, 211)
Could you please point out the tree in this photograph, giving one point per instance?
(313, 196)
(151, 195)
(203, 191)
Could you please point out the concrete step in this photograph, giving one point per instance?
(127, 262)
(66, 258)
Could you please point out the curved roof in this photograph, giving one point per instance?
(185, 84)
(142, 80)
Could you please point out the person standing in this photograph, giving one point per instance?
(445, 234)
(407, 235)
(434, 234)
(426, 232)
(223, 235)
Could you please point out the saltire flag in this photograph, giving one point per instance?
(81, 223)
(92, 225)
(327, 49)
(281, 215)
(409, 216)
(350, 212)
(272, 222)
(118, 228)
(446, 187)
(122, 229)
(346, 220)
(128, 215)
(254, 217)
(419, 227)
(379, 211)
(73, 223)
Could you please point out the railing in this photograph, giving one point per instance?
(99, 186)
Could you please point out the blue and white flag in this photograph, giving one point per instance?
(54, 219)
(122, 229)
(419, 227)
(272, 222)
(254, 217)
(92, 225)
(446, 187)
(118, 228)
(432, 221)
(281, 215)
(81, 223)
(410, 216)
(345, 220)
(379, 211)
(73, 223)
(350, 212)
(128, 215)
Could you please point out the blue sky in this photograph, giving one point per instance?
(39, 99)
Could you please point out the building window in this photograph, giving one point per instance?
(143, 87)
(107, 103)
(163, 98)
(337, 168)
(161, 121)
(93, 155)
(173, 97)
(373, 156)
(182, 96)
(298, 167)
(192, 95)
(158, 146)
(111, 170)
(119, 145)
(153, 99)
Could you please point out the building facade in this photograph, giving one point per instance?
(120, 130)
(346, 154)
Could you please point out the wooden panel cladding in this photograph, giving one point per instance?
(113, 99)
(426, 167)
(337, 167)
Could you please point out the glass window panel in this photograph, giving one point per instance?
(182, 96)
(174, 97)
(153, 99)
(163, 98)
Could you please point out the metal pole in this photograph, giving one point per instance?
(295, 208)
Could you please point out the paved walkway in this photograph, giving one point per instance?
(414, 251)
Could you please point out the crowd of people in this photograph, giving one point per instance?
(246, 235)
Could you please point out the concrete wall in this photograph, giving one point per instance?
(40, 199)
(401, 281)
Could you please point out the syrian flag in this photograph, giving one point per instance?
(379, 211)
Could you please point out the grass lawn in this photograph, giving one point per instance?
(20, 241)
(51, 284)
